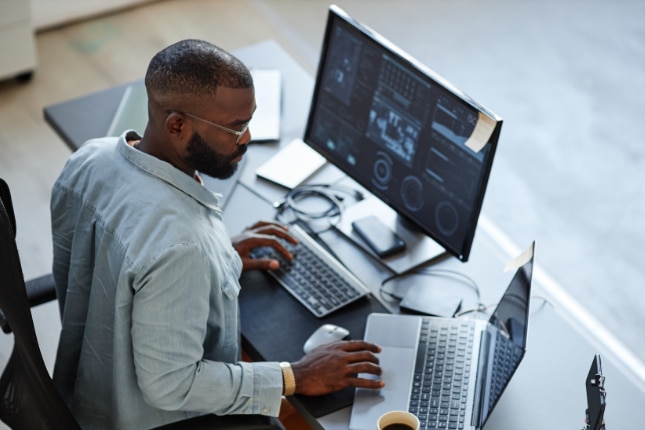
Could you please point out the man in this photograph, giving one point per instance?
(147, 278)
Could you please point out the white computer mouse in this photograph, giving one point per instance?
(326, 333)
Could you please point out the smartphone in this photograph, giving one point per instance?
(379, 237)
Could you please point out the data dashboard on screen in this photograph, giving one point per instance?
(403, 132)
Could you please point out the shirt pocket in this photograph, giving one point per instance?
(231, 287)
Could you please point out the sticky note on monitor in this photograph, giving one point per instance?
(482, 132)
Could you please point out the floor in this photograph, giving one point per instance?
(567, 76)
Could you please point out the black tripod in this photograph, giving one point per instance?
(596, 397)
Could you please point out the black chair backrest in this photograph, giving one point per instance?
(5, 197)
(29, 398)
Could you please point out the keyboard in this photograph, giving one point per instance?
(314, 277)
(441, 375)
(506, 357)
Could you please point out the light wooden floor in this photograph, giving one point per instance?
(566, 76)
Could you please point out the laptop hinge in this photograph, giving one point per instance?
(481, 379)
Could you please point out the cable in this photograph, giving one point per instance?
(448, 273)
(482, 308)
(544, 303)
(456, 275)
(386, 295)
(293, 202)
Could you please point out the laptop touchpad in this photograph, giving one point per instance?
(398, 366)
(393, 330)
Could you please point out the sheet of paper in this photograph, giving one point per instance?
(482, 132)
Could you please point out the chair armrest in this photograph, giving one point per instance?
(39, 290)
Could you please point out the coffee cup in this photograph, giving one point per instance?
(398, 420)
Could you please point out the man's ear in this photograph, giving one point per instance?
(176, 126)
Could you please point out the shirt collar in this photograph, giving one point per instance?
(165, 171)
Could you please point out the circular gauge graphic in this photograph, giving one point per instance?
(447, 218)
(382, 170)
(412, 193)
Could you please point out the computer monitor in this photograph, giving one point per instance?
(402, 132)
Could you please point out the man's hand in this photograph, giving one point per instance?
(336, 366)
(263, 233)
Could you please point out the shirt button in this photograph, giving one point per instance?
(265, 410)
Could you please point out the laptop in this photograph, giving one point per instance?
(468, 363)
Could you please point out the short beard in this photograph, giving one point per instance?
(208, 161)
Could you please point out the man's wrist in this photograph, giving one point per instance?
(288, 379)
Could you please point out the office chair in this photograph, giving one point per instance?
(29, 399)
(39, 290)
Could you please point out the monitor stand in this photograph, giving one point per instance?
(420, 248)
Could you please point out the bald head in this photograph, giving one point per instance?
(187, 74)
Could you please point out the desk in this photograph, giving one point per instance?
(547, 392)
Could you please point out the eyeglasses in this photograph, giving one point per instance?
(237, 133)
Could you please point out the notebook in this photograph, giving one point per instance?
(485, 355)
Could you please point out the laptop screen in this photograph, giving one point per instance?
(508, 329)
(511, 314)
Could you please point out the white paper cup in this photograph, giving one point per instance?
(398, 417)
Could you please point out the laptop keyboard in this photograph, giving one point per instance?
(505, 359)
(314, 277)
(441, 376)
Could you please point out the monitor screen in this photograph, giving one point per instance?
(402, 132)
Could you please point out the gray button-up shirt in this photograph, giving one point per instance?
(147, 281)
